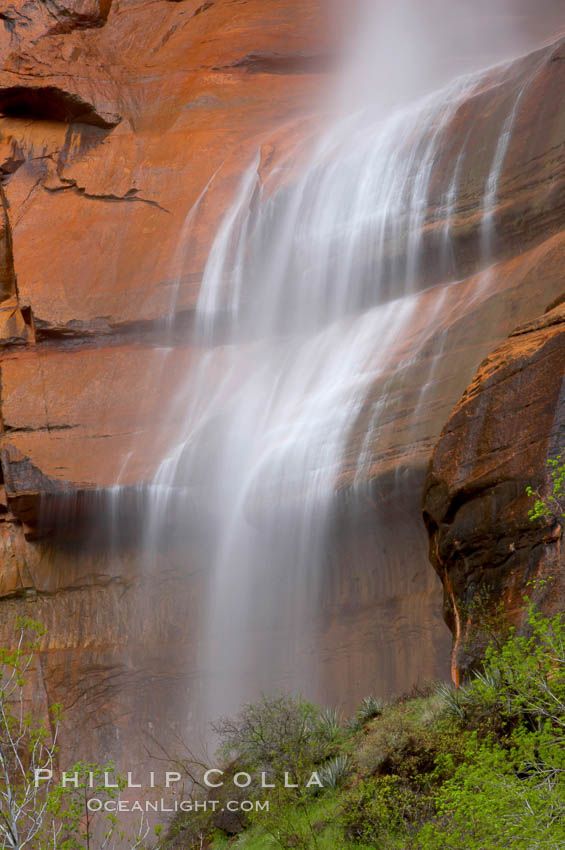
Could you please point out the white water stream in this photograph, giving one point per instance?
(308, 299)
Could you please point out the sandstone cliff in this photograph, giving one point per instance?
(115, 116)
(509, 422)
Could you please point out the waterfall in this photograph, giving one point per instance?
(295, 440)
(311, 310)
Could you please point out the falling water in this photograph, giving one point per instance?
(490, 199)
(308, 298)
(312, 310)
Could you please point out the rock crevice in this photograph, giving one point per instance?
(51, 103)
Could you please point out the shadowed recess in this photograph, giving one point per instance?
(52, 104)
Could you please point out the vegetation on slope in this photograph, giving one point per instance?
(481, 767)
(478, 768)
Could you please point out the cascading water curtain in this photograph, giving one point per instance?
(312, 297)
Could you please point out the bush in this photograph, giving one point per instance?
(384, 810)
(401, 744)
(44, 814)
(510, 789)
(526, 677)
(454, 701)
(280, 733)
(552, 506)
(473, 708)
(502, 797)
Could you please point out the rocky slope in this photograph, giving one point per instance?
(121, 121)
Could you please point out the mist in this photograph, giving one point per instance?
(397, 50)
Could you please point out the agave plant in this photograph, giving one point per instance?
(334, 772)
(455, 700)
(329, 723)
(370, 708)
(491, 679)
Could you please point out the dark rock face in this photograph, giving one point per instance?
(497, 442)
(50, 103)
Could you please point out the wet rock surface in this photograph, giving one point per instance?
(113, 119)
(496, 443)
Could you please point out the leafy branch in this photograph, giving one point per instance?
(553, 505)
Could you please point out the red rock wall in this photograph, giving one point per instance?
(497, 442)
(117, 121)
(115, 117)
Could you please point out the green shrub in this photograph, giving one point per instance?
(551, 506)
(384, 810)
(510, 789)
(477, 705)
(280, 733)
(527, 675)
(502, 797)
(401, 744)
(454, 701)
